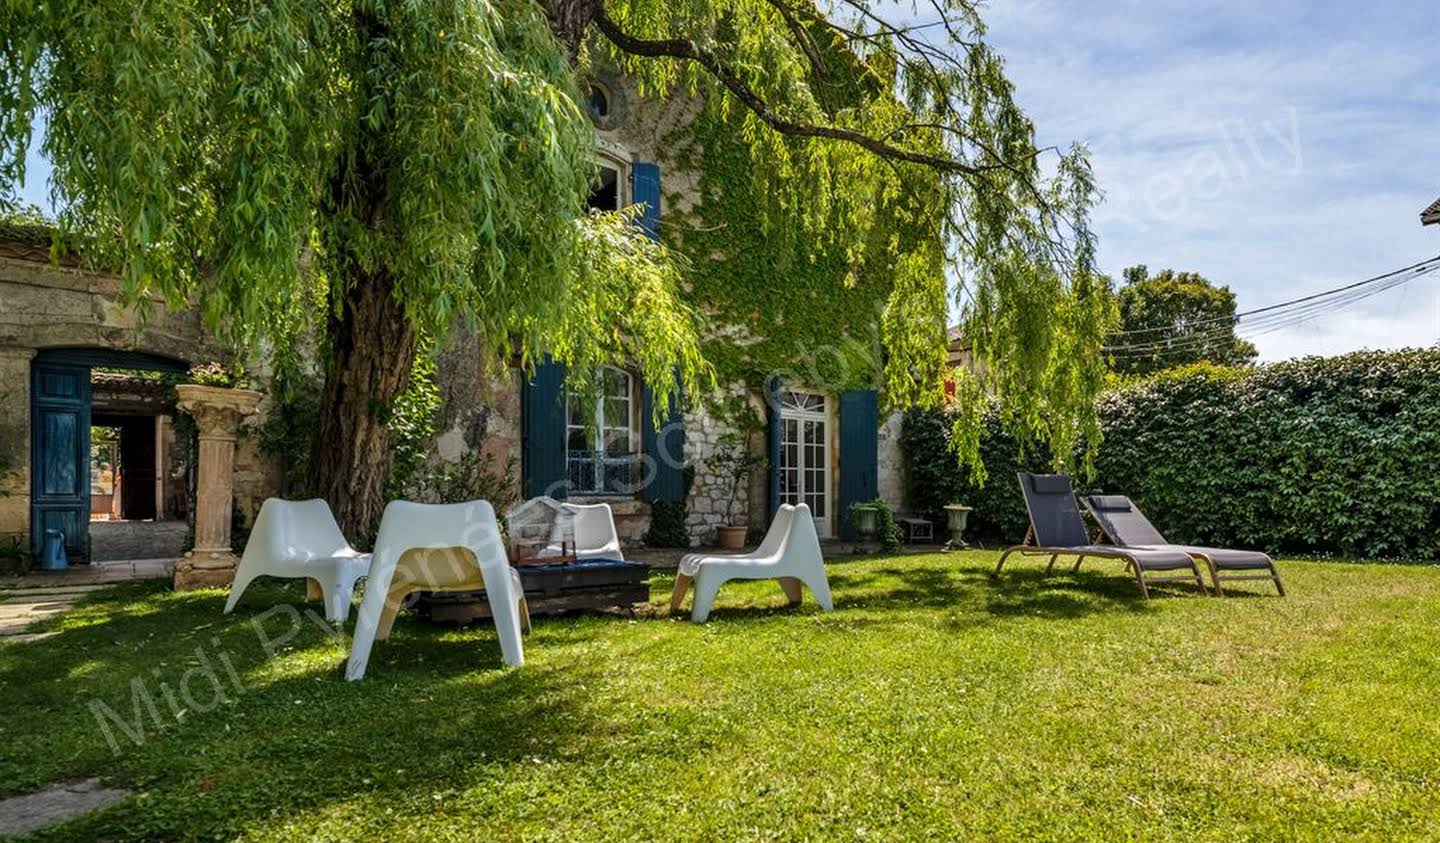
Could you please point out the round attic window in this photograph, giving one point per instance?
(599, 102)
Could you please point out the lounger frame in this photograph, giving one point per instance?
(1134, 563)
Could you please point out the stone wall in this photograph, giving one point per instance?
(890, 460)
(479, 404)
(710, 495)
(43, 305)
(258, 475)
(15, 443)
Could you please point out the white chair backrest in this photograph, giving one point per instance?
(779, 530)
(594, 529)
(298, 530)
(410, 526)
(801, 530)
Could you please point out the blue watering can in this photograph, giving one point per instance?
(52, 557)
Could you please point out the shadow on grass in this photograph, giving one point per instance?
(279, 736)
(1018, 591)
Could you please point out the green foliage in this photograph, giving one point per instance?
(23, 215)
(218, 374)
(260, 160)
(833, 261)
(288, 430)
(1318, 455)
(411, 420)
(14, 553)
(887, 532)
(806, 313)
(998, 514)
(1331, 455)
(477, 475)
(1173, 319)
(667, 525)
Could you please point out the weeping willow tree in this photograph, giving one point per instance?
(389, 169)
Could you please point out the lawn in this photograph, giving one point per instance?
(935, 703)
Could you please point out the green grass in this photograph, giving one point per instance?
(934, 703)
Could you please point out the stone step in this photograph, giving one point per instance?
(55, 804)
(51, 591)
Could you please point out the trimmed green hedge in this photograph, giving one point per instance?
(1334, 455)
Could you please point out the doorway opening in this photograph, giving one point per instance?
(137, 468)
(110, 473)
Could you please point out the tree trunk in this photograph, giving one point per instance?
(569, 20)
(372, 349)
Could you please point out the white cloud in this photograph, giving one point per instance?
(1278, 148)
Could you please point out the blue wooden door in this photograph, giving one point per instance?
(60, 456)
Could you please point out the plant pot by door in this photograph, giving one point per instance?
(732, 538)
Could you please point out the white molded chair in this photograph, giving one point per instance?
(300, 539)
(438, 547)
(595, 536)
(790, 552)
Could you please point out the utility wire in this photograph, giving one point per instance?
(1420, 268)
(1270, 318)
(1264, 324)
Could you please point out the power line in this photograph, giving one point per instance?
(1264, 320)
(1420, 268)
(1264, 324)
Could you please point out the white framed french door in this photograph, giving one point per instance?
(805, 455)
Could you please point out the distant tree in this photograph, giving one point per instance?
(1172, 319)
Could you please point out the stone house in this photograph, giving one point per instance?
(823, 447)
(66, 343)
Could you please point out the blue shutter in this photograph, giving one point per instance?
(859, 470)
(542, 432)
(665, 446)
(60, 456)
(665, 449)
(645, 190)
(772, 441)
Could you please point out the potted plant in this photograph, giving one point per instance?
(732, 461)
(865, 516)
(874, 521)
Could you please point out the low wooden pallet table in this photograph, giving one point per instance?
(553, 588)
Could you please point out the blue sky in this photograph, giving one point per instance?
(1278, 147)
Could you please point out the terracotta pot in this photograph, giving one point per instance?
(732, 538)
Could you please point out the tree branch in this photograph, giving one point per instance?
(682, 48)
(802, 38)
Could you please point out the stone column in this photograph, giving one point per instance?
(217, 412)
(15, 443)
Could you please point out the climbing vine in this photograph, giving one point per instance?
(812, 311)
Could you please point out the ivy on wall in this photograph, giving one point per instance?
(781, 300)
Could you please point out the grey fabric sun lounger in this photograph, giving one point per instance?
(1058, 530)
(1125, 525)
